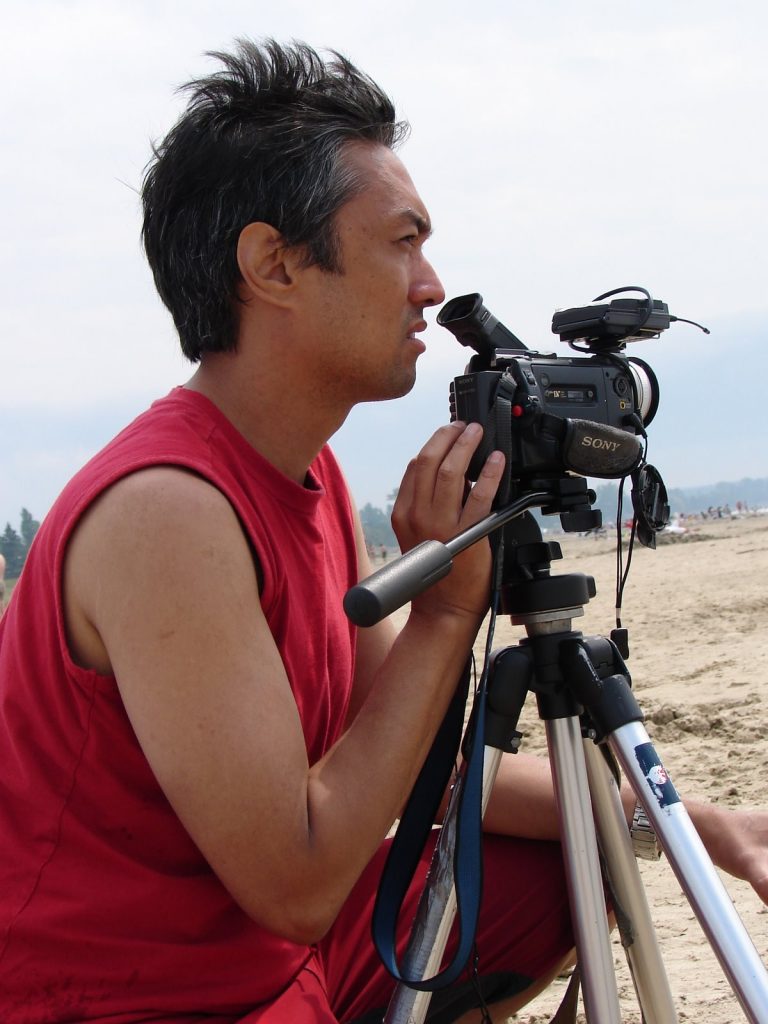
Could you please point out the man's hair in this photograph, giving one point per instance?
(260, 140)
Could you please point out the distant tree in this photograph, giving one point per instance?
(377, 526)
(29, 528)
(12, 548)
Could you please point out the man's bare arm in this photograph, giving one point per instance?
(523, 804)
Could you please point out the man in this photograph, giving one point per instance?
(196, 795)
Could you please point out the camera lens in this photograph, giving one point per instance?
(646, 388)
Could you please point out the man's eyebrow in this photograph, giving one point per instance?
(422, 223)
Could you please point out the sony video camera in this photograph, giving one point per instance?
(550, 414)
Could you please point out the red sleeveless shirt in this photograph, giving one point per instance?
(108, 911)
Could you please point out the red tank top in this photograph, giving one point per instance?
(107, 908)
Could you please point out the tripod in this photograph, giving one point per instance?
(583, 695)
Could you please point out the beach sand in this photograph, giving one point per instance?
(697, 613)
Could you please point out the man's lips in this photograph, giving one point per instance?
(420, 325)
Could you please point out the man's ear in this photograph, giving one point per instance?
(268, 267)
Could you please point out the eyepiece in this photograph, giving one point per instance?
(476, 327)
(461, 308)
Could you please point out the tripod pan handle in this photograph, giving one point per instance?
(395, 584)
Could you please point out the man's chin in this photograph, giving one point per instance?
(399, 388)
(386, 390)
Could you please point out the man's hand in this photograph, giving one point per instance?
(433, 504)
(736, 840)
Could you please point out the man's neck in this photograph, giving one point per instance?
(282, 423)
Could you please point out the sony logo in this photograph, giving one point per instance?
(599, 442)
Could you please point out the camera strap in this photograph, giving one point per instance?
(502, 433)
(415, 828)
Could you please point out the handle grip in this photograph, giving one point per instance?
(395, 584)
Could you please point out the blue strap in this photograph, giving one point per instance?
(415, 827)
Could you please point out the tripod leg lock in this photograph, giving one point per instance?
(609, 700)
(509, 677)
(644, 840)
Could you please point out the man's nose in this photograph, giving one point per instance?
(428, 288)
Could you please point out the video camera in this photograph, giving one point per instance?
(551, 414)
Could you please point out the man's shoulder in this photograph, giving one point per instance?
(174, 429)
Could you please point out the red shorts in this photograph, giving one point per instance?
(523, 933)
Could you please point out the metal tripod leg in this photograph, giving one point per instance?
(634, 921)
(693, 868)
(585, 888)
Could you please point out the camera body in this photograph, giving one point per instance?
(547, 399)
(552, 414)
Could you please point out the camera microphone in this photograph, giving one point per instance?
(594, 449)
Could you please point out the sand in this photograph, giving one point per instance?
(697, 611)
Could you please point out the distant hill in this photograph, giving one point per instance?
(750, 492)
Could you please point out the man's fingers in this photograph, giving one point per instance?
(438, 470)
(442, 456)
(435, 502)
(431, 501)
(480, 498)
(445, 477)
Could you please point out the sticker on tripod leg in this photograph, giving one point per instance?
(656, 776)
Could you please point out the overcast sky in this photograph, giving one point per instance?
(563, 149)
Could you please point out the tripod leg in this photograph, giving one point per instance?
(585, 888)
(693, 868)
(638, 934)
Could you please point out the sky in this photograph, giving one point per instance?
(563, 149)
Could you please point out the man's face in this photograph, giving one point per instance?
(367, 317)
